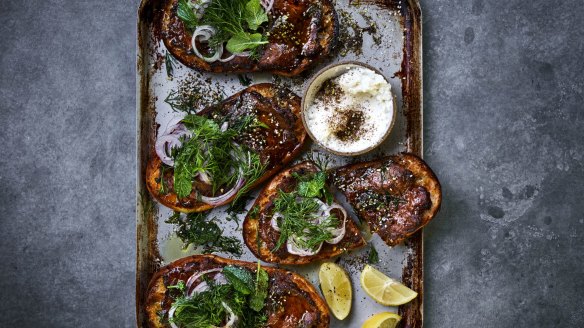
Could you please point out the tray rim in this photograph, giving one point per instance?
(412, 16)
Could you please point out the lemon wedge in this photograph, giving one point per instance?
(383, 289)
(382, 320)
(336, 288)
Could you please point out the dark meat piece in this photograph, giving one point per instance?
(396, 196)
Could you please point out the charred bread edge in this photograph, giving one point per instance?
(199, 64)
(251, 227)
(157, 289)
(153, 171)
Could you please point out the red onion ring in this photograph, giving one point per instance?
(338, 233)
(194, 277)
(164, 146)
(267, 4)
(293, 248)
(205, 32)
(216, 201)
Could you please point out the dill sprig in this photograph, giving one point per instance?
(197, 230)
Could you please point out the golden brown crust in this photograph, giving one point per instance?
(315, 30)
(275, 103)
(298, 295)
(396, 196)
(257, 224)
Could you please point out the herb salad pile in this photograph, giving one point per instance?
(303, 220)
(237, 24)
(212, 152)
(238, 299)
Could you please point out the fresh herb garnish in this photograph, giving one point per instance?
(185, 12)
(258, 298)
(197, 230)
(314, 186)
(212, 151)
(373, 256)
(298, 209)
(207, 308)
(244, 80)
(237, 23)
(240, 278)
(169, 61)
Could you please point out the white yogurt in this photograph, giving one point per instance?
(356, 118)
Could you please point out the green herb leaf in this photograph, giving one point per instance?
(313, 187)
(187, 15)
(179, 286)
(240, 278)
(373, 256)
(198, 231)
(255, 15)
(258, 298)
(243, 41)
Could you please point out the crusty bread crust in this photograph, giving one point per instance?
(158, 287)
(257, 223)
(317, 32)
(282, 101)
(423, 176)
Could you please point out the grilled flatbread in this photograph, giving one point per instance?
(277, 145)
(257, 224)
(396, 195)
(292, 301)
(301, 33)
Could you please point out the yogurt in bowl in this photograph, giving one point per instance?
(349, 108)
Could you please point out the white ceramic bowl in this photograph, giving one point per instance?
(315, 84)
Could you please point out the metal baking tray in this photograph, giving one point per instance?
(391, 31)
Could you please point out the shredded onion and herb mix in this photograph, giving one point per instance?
(232, 297)
(236, 25)
(303, 220)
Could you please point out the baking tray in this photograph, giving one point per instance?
(391, 31)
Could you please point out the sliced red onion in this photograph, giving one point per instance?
(274, 221)
(171, 315)
(202, 287)
(224, 126)
(204, 176)
(293, 247)
(195, 277)
(215, 201)
(338, 233)
(164, 146)
(240, 54)
(174, 124)
(204, 33)
(232, 317)
(267, 4)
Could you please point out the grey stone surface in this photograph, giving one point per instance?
(503, 130)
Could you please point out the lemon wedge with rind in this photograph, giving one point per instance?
(383, 289)
(382, 320)
(336, 288)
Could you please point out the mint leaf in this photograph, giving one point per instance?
(373, 256)
(240, 278)
(243, 41)
(187, 15)
(258, 298)
(254, 14)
